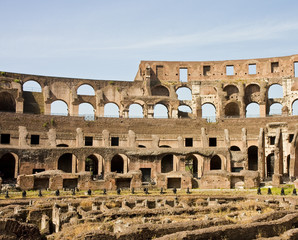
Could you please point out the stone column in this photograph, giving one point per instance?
(261, 154)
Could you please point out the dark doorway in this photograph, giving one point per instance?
(117, 164)
(191, 165)
(146, 175)
(174, 183)
(270, 165)
(65, 163)
(7, 102)
(7, 167)
(91, 164)
(41, 183)
(167, 164)
(123, 183)
(70, 183)
(253, 158)
(215, 163)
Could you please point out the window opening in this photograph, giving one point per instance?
(229, 70)
(206, 70)
(34, 139)
(188, 142)
(274, 67)
(183, 74)
(252, 69)
(295, 69)
(114, 141)
(5, 138)
(271, 140)
(212, 142)
(88, 141)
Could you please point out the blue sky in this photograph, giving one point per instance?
(107, 39)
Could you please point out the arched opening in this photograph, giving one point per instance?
(117, 164)
(59, 108)
(7, 102)
(160, 111)
(252, 93)
(191, 165)
(275, 109)
(167, 163)
(184, 93)
(252, 110)
(111, 110)
(235, 148)
(209, 112)
(160, 91)
(184, 111)
(135, 111)
(295, 107)
(253, 158)
(215, 163)
(91, 165)
(232, 110)
(270, 165)
(7, 167)
(231, 91)
(86, 89)
(164, 146)
(62, 145)
(86, 110)
(65, 162)
(31, 86)
(275, 91)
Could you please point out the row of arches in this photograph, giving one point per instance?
(94, 163)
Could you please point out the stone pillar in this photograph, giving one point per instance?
(155, 141)
(105, 138)
(131, 141)
(56, 218)
(261, 154)
(241, 99)
(278, 159)
(73, 109)
(180, 142)
(244, 147)
(293, 154)
(99, 103)
(227, 138)
(150, 111)
(204, 138)
(80, 138)
(262, 110)
(52, 137)
(125, 113)
(174, 113)
(23, 134)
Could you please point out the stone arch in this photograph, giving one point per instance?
(7, 102)
(8, 166)
(160, 91)
(295, 107)
(160, 111)
(184, 93)
(232, 110)
(270, 164)
(209, 112)
(184, 111)
(192, 165)
(111, 110)
(275, 109)
(135, 111)
(252, 110)
(231, 91)
(252, 155)
(275, 91)
(215, 163)
(32, 86)
(59, 107)
(86, 109)
(92, 164)
(252, 93)
(167, 163)
(65, 162)
(117, 164)
(235, 148)
(85, 89)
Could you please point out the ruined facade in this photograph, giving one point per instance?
(186, 148)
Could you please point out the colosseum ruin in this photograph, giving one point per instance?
(202, 136)
(187, 144)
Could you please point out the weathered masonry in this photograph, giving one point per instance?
(224, 124)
